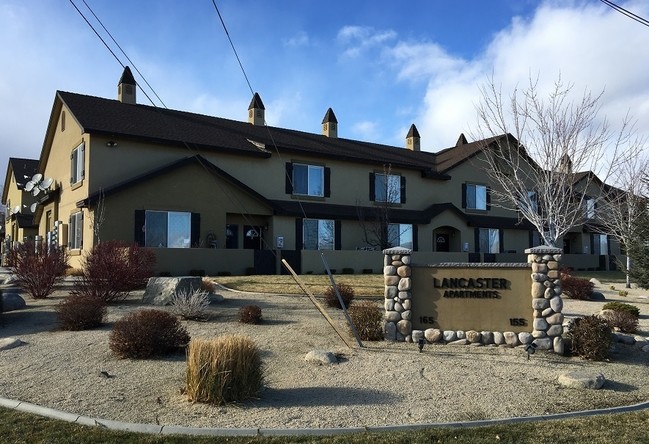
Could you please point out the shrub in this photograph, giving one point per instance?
(250, 314)
(348, 270)
(621, 306)
(147, 333)
(81, 312)
(190, 304)
(37, 268)
(367, 318)
(368, 271)
(590, 337)
(623, 293)
(222, 370)
(196, 272)
(112, 269)
(625, 321)
(208, 285)
(346, 293)
(576, 288)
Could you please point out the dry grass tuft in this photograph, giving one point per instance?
(190, 304)
(223, 370)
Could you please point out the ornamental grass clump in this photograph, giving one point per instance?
(223, 370)
(81, 312)
(590, 338)
(190, 304)
(346, 294)
(367, 318)
(147, 333)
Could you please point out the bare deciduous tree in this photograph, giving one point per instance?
(537, 148)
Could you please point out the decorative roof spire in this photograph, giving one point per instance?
(256, 111)
(413, 139)
(330, 124)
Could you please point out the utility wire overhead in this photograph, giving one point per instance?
(626, 12)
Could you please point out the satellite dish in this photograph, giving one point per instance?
(16, 209)
(29, 186)
(37, 177)
(35, 191)
(46, 183)
(32, 208)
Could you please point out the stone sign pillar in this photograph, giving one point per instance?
(546, 298)
(398, 294)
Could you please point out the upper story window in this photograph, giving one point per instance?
(77, 163)
(75, 233)
(307, 180)
(533, 201)
(318, 234)
(389, 188)
(475, 197)
(589, 208)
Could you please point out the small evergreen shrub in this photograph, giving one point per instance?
(623, 293)
(574, 287)
(368, 271)
(147, 333)
(223, 370)
(590, 338)
(250, 314)
(37, 268)
(190, 304)
(367, 318)
(81, 312)
(625, 321)
(348, 270)
(622, 306)
(112, 269)
(346, 294)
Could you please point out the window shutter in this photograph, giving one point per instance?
(70, 231)
(289, 178)
(415, 237)
(327, 182)
(476, 239)
(501, 238)
(72, 164)
(337, 235)
(403, 189)
(463, 195)
(195, 230)
(488, 198)
(140, 219)
(372, 188)
(83, 160)
(299, 241)
(592, 243)
(80, 228)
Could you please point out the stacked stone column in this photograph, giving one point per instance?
(398, 294)
(546, 298)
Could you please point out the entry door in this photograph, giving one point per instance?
(252, 237)
(441, 242)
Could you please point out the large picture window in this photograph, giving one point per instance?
(400, 235)
(600, 244)
(475, 197)
(489, 240)
(308, 180)
(75, 233)
(77, 163)
(167, 229)
(318, 234)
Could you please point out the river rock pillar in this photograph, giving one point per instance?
(398, 294)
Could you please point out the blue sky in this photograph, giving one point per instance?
(381, 65)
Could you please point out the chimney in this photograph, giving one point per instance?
(461, 140)
(413, 139)
(126, 87)
(256, 111)
(330, 124)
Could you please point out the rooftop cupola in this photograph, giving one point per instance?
(413, 139)
(256, 111)
(330, 124)
(126, 87)
(461, 140)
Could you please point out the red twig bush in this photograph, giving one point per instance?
(590, 337)
(112, 269)
(346, 294)
(37, 268)
(367, 318)
(250, 314)
(81, 312)
(147, 333)
(574, 287)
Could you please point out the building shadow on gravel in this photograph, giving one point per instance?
(27, 321)
(325, 396)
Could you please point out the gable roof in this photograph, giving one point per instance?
(22, 169)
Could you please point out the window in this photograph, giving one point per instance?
(600, 244)
(75, 234)
(532, 201)
(387, 188)
(589, 208)
(475, 197)
(231, 236)
(307, 180)
(489, 240)
(167, 229)
(318, 234)
(77, 171)
(400, 235)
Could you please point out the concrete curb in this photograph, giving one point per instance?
(206, 431)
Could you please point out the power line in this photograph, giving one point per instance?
(626, 12)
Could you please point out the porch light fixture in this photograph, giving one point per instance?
(530, 349)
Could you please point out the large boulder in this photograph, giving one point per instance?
(12, 301)
(582, 380)
(321, 357)
(160, 290)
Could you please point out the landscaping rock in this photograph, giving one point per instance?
(7, 343)
(12, 301)
(321, 357)
(433, 334)
(449, 335)
(160, 290)
(582, 380)
(597, 296)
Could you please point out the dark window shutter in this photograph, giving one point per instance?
(403, 189)
(463, 195)
(70, 231)
(299, 241)
(72, 164)
(82, 153)
(476, 239)
(289, 178)
(372, 188)
(488, 198)
(81, 228)
(501, 240)
(592, 243)
(530, 238)
(327, 182)
(140, 219)
(415, 238)
(337, 235)
(196, 230)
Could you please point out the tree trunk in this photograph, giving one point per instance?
(628, 268)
